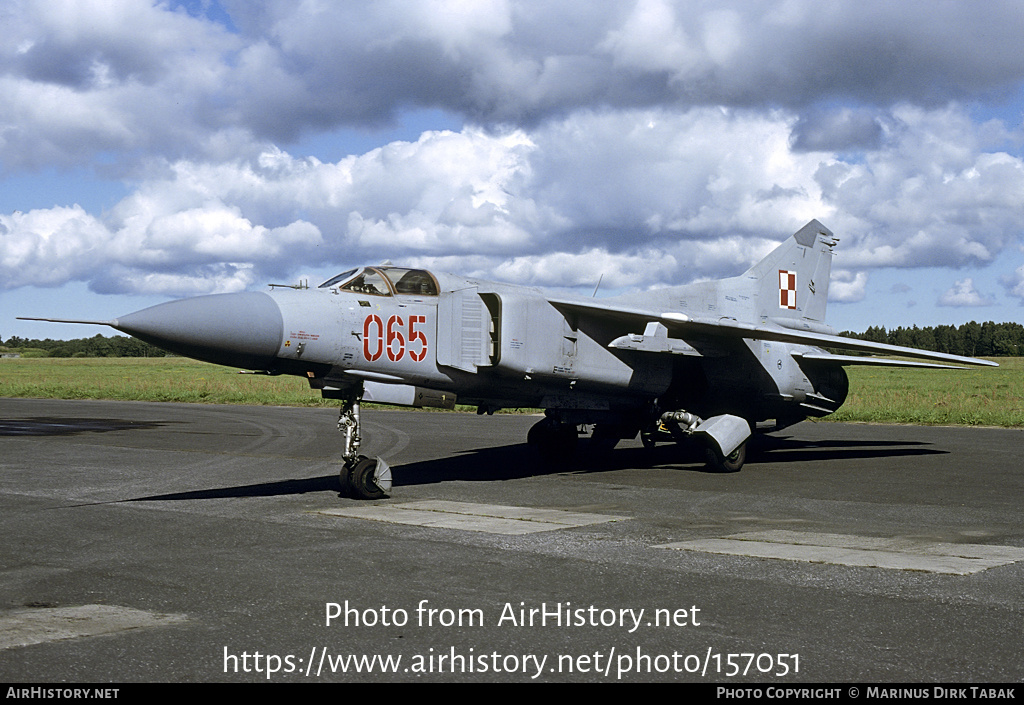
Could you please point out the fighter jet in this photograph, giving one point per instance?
(707, 363)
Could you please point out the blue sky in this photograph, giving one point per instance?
(154, 150)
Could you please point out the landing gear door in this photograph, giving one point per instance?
(464, 331)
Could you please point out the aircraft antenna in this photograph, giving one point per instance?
(594, 296)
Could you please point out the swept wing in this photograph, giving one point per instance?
(683, 326)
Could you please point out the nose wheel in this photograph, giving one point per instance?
(366, 478)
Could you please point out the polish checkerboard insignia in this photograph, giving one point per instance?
(787, 289)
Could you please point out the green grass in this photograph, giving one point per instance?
(979, 397)
(973, 397)
(176, 379)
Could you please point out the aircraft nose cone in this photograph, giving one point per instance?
(240, 330)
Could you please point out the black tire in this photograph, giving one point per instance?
(361, 482)
(554, 442)
(603, 439)
(730, 463)
(344, 475)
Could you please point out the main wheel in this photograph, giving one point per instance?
(726, 463)
(554, 442)
(603, 439)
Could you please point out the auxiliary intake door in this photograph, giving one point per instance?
(466, 331)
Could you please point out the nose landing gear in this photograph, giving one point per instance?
(360, 477)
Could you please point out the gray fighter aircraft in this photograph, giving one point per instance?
(709, 362)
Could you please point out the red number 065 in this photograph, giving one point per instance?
(378, 338)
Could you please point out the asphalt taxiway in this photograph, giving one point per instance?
(167, 542)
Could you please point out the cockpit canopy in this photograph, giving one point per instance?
(385, 281)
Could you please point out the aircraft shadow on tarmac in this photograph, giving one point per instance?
(519, 461)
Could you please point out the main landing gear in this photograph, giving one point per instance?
(722, 439)
(361, 477)
(553, 440)
(725, 437)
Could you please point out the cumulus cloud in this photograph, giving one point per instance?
(49, 247)
(203, 250)
(932, 196)
(658, 142)
(524, 61)
(963, 293)
(1014, 284)
(675, 196)
(848, 287)
(838, 130)
(81, 79)
(86, 77)
(587, 268)
(676, 193)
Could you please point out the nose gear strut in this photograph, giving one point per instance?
(361, 477)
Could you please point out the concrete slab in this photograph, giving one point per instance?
(468, 516)
(864, 551)
(24, 627)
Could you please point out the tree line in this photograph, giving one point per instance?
(972, 339)
(96, 346)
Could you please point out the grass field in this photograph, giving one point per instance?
(149, 379)
(972, 397)
(982, 397)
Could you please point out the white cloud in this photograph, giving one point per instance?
(527, 61)
(1014, 284)
(562, 269)
(707, 190)
(933, 196)
(651, 39)
(843, 129)
(221, 278)
(601, 184)
(963, 293)
(49, 247)
(658, 141)
(847, 287)
(84, 78)
(134, 76)
(201, 250)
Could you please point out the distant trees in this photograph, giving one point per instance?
(96, 346)
(973, 339)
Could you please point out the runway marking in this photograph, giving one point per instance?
(466, 516)
(863, 551)
(37, 625)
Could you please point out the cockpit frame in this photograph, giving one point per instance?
(385, 280)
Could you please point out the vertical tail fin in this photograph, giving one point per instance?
(792, 281)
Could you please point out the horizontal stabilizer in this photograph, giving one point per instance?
(782, 335)
(873, 361)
